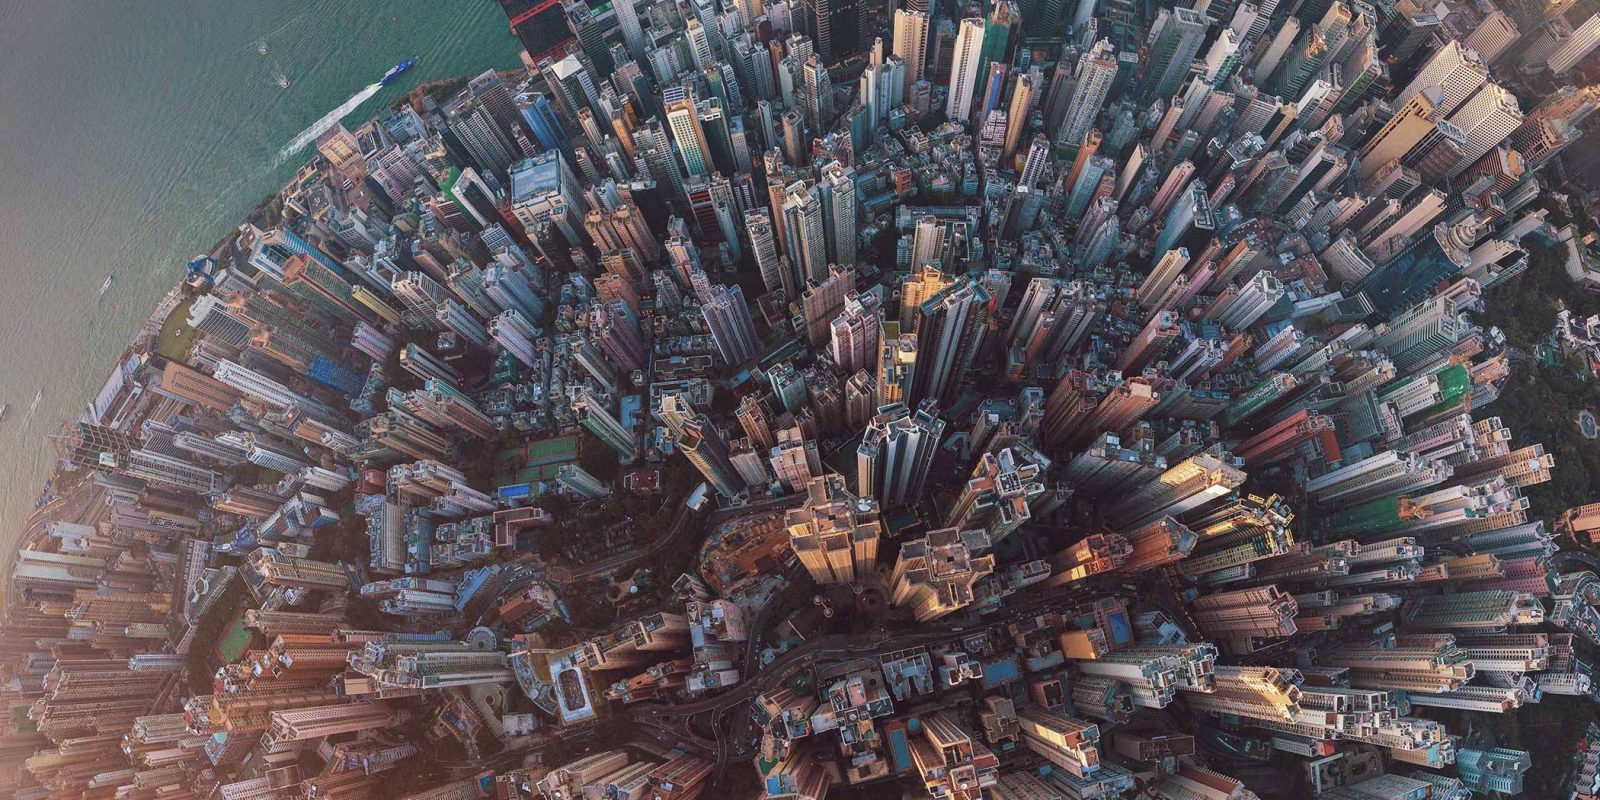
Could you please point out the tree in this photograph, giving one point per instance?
(678, 478)
(596, 458)
(1525, 307)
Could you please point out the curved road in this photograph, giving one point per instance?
(1584, 558)
(680, 526)
(677, 718)
(616, 562)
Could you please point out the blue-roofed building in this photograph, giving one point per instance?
(542, 120)
(909, 672)
(1119, 629)
(1413, 272)
(471, 582)
(1495, 770)
(1001, 671)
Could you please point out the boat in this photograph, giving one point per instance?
(106, 284)
(4, 407)
(279, 78)
(261, 46)
(394, 72)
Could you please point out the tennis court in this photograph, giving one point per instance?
(530, 462)
(234, 640)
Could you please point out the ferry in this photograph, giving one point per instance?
(394, 72)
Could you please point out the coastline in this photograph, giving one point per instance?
(384, 493)
(29, 528)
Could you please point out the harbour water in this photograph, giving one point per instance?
(135, 135)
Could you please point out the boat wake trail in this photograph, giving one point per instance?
(328, 120)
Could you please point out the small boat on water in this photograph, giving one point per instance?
(261, 46)
(279, 78)
(106, 284)
(394, 72)
(4, 407)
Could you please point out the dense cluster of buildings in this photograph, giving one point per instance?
(1087, 399)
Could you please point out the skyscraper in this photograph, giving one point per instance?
(1033, 165)
(998, 34)
(949, 326)
(964, 70)
(684, 121)
(728, 319)
(839, 189)
(700, 442)
(997, 497)
(699, 43)
(794, 459)
(1176, 37)
(472, 125)
(764, 248)
(816, 97)
(1152, 342)
(1493, 36)
(616, 330)
(911, 43)
(806, 230)
(822, 301)
(1485, 119)
(1411, 122)
(632, 33)
(1184, 487)
(1023, 97)
(854, 341)
(1574, 47)
(835, 533)
(950, 760)
(545, 190)
(897, 363)
(893, 458)
(1162, 275)
(1064, 741)
(928, 245)
(837, 26)
(1454, 70)
(935, 574)
(599, 420)
(1562, 37)
(789, 386)
(924, 283)
(880, 88)
(1096, 71)
(1101, 243)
